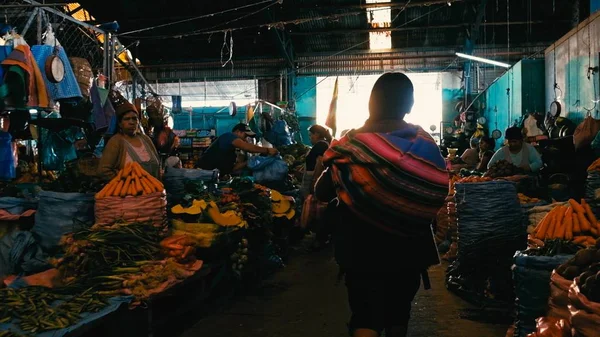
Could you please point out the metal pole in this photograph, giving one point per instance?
(39, 26)
(105, 54)
(29, 21)
(281, 86)
(67, 17)
(111, 60)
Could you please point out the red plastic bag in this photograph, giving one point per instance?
(586, 132)
(143, 208)
(585, 314)
(551, 327)
(559, 297)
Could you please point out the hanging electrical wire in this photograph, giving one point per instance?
(227, 48)
(346, 49)
(277, 25)
(195, 18)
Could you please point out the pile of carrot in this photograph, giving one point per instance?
(132, 180)
(573, 221)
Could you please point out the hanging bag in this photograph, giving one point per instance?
(586, 132)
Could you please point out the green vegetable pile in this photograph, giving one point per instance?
(40, 309)
(97, 251)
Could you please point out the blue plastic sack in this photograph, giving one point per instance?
(21, 255)
(531, 275)
(17, 206)
(7, 160)
(268, 168)
(490, 231)
(59, 214)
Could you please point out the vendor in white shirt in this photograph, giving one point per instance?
(517, 152)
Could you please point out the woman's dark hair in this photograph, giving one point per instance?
(322, 132)
(392, 97)
(489, 141)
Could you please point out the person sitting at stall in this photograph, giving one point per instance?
(471, 155)
(320, 138)
(486, 152)
(128, 145)
(518, 153)
(221, 153)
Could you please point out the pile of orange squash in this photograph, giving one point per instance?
(573, 221)
(132, 180)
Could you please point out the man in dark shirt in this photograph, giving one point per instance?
(221, 153)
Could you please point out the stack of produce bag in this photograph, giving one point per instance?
(445, 236)
(531, 276)
(574, 296)
(591, 185)
(489, 234)
(132, 196)
(528, 203)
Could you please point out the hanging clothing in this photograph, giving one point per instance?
(35, 87)
(103, 110)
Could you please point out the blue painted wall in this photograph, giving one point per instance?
(571, 55)
(594, 5)
(208, 118)
(526, 81)
(304, 90)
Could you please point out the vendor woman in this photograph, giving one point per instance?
(128, 145)
(320, 138)
(518, 153)
(221, 154)
(486, 152)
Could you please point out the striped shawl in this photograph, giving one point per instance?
(396, 181)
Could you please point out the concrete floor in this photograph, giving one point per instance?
(303, 300)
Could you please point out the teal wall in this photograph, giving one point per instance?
(573, 55)
(527, 94)
(208, 118)
(594, 5)
(304, 91)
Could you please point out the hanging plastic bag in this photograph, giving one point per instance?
(586, 132)
(58, 148)
(7, 160)
(268, 168)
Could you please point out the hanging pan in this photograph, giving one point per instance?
(496, 134)
(555, 109)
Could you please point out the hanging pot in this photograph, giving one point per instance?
(232, 109)
(54, 68)
(555, 109)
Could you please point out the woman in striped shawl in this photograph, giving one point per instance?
(389, 179)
